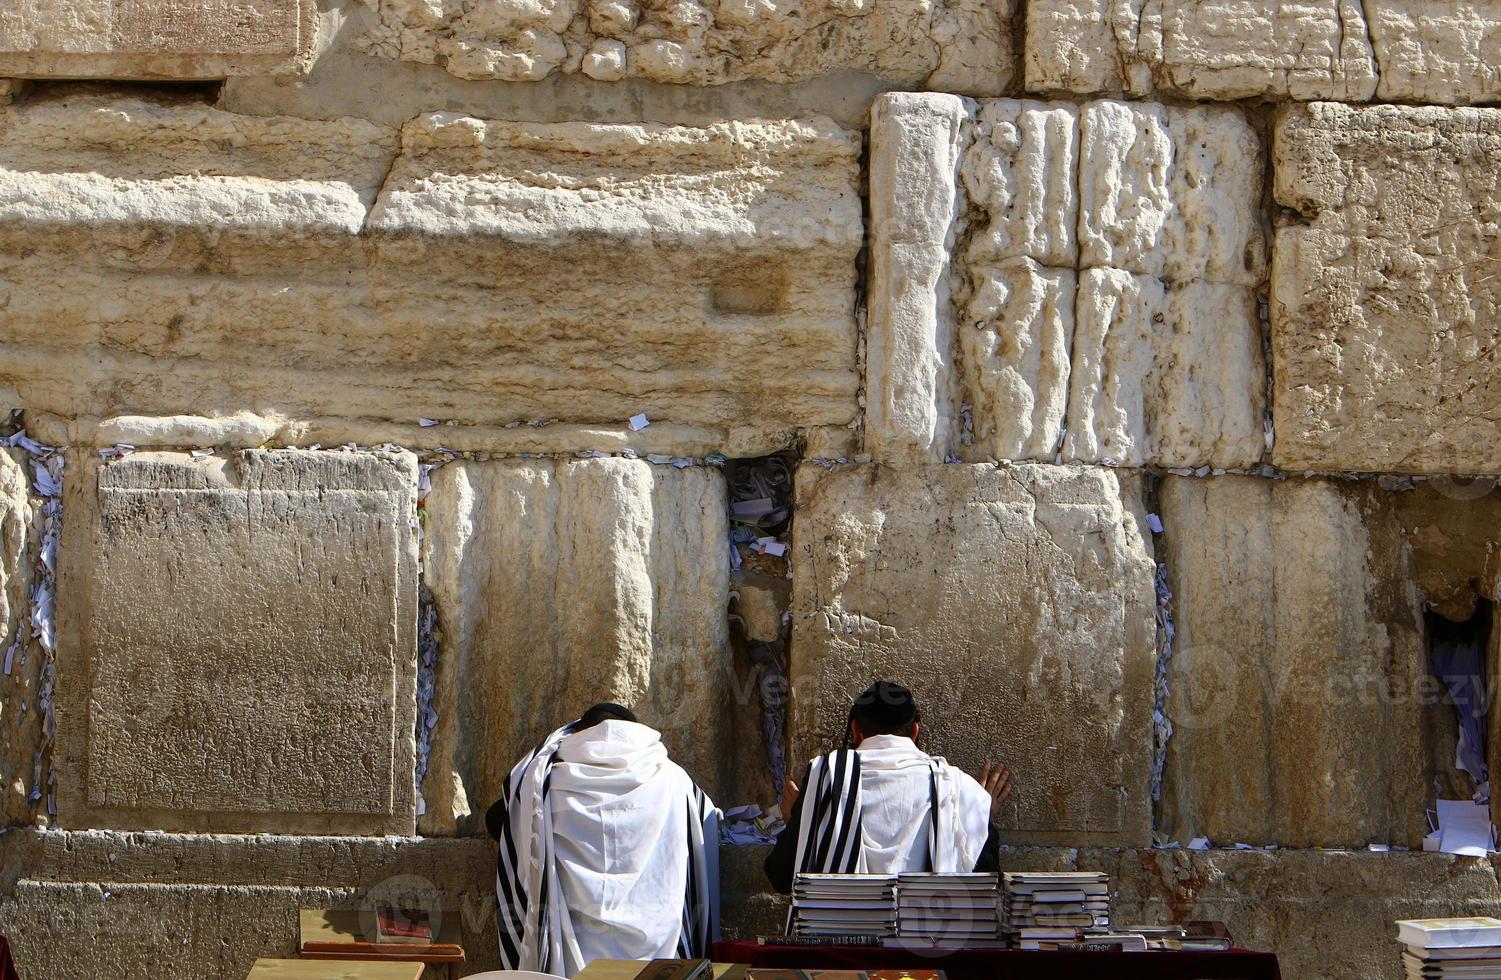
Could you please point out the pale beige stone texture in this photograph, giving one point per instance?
(915, 146)
(1386, 297)
(237, 643)
(184, 907)
(1165, 374)
(962, 46)
(20, 714)
(1019, 275)
(1017, 603)
(563, 583)
(1326, 914)
(1299, 688)
(1440, 51)
(168, 39)
(510, 273)
(1106, 274)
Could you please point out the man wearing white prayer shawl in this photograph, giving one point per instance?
(608, 850)
(884, 806)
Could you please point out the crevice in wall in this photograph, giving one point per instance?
(1458, 653)
(167, 92)
(38, 632)
(761, 512)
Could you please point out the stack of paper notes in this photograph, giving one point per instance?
(843, 905)
(1442, 948)
(1044, 909)
(948, 910)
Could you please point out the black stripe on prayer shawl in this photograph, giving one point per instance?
(837, 773)
(512, 900)
(544, 947)
(688, 939)
(933, 864)
(847, 845)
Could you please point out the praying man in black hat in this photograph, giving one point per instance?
(881, 805)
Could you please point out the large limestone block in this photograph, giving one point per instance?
(1219, 49)
(1437, 50)
(1386, 303)
(20, 727)
(562, 583)
(1016, 602)
(185, 907)
(962, 46)
(1299, 689)
(1326, 914)
(1095, 274)
(1454, 530)
(1347, 50)
(237, 643)
(915, 146)
(575, 272)
(174, 39)
(136, 177)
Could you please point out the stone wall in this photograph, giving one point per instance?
(1135, 362)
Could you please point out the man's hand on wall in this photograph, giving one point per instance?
(996, 779)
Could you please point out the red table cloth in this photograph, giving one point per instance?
(7, 966)
(987, 964)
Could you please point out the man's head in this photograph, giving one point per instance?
(884, 708)
(602, 712)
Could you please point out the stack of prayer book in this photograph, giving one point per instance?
(1440, 948)
(948, 910)
(1044, 909)
(843, 905)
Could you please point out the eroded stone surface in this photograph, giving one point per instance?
(563, 583)
(1454, 530)
(1413, 50)
(1326, 914)
(1386, 303)
(509, 272)
(176, 39)
(20, 529)
(237, 643)
(181, 907)
(961, 46)
(1107, 284)
(1300, 691)
(1015, 602)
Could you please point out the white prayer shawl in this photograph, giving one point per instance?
(608, 851)
(889, 807)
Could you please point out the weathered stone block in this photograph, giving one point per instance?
(1016, 602)
(1097, 274)
(915, 146)
(1454, 531)
(563, 583)
(237, 644)
(962, 46)
(1386, 305)
(509, 272)
(20, 727)
(177, 39)
(1326, 914)
(1347, 50)
(1300, 689)
(184, 907)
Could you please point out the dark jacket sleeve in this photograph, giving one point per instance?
(990, 854)
(495, 818)
(779, 863)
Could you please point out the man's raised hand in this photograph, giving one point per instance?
(996, 779)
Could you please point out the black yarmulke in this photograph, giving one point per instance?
(886, 705)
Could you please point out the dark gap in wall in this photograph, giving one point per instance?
(761, 512)
(38, 90)
(1462, 655)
